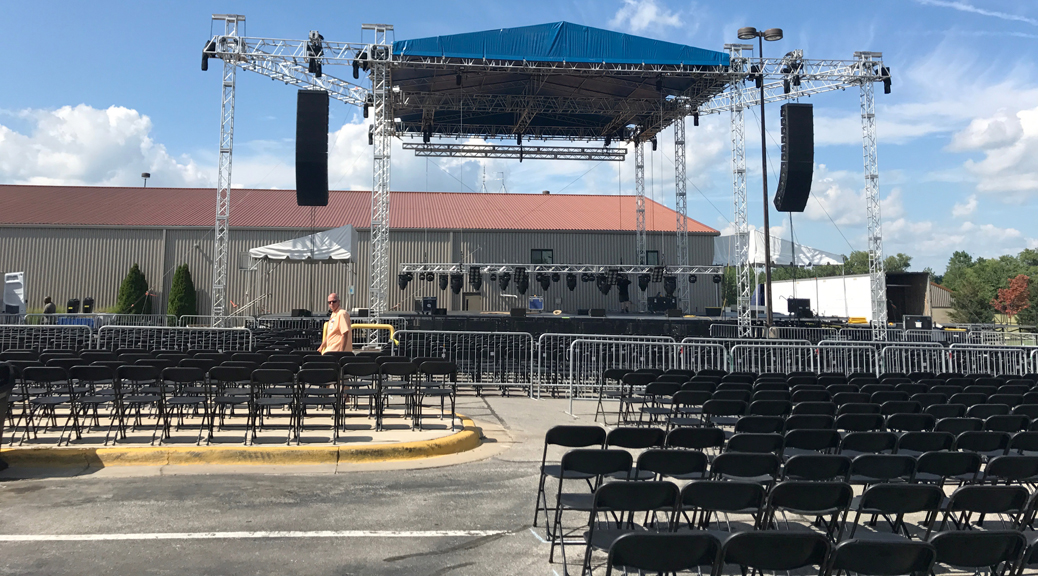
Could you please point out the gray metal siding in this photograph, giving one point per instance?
(78, 262)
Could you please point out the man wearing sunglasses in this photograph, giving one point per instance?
(337, 336)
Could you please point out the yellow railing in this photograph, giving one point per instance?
(392, 331)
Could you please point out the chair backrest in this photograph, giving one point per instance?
(859, 422)
(575, 436)
(673, 462)
(137, 373)
(988, 499)
(745, 465)
(981, 441)
(770, 407)
(883, 467)
(319, 376)
(1007, 423)
(869, 442)
(817, 467)
(722, 496)
(398, 368)
(900, 498)
(759, 443)
(811, 407)
(928, 399)
(902, 422)
(360, 369)
(638, 378)
(229, 373)
(925, 441)
(635, 438)
(438, 368)
(978, 549)
(714, 407)
(1026, 441)
(812, 439)
(759, 424)
(203, 364)
(636, 496)
(810, 422)
(91, 373)
(948, 464)
(44, 374)
(272, 376)
(883, 558)
(694, 438)
(292, 367)
(1012, 468)
(805, 496)
(663, 553)
(958, 425)
(775, 550)
(597, 462)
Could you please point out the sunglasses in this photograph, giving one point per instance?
(332, 301)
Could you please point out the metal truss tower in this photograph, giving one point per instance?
(221, 241)
(744, 273)
(382, 134)
(681, 204)
(639, 235)
(877, 273)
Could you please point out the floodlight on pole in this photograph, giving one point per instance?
(145, 175)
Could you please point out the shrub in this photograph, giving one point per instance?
(134, 297)
(182, 297)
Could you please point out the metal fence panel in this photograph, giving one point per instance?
(770, 357)
(553, 353)
(730, 343)
(589, 358)
(939, 336)
(99, 319)
(45, 337)
(865, 334)
(174, 338)
(209, 321)
(841, 357)
(994, 360)
(9, 319)
(990, 338)
(484, 358)
(732, 331)
(914, 358)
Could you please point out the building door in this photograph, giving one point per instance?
(472, 302)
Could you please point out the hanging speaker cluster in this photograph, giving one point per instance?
(312, 148)
(798, 157)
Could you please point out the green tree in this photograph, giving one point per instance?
(182, 297)
(857, 263)
(897, 263)
(133, 293)
(969, 303)
(958, 264)
(730, 289)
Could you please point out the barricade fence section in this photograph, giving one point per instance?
(760, 358)
(207, 321)
(732, 331)
(361, 336)
(12, 319)
(865, 334)
(994, 360)
(290, 322)
(96, 320)
(483, 358)
(810, 334)
(64, 337)
(590, 358)
(839, 357)
(174, 338)
(908, 358)
(553, 353)
(938, 336)
(990, 338)
(730, 343)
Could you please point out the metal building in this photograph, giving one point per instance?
(74, 242)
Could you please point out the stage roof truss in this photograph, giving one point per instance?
(484, 268)
(439, 150)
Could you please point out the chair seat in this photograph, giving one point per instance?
(273, 401)
(634, 475)
(358, 392)
(312, 392)
(582, 502)
(185, 401)
(398, 392)
(603, 538)
(95, 400)
(437, 392)
(555, 471)
(140, 399)
(318, 401)
(231, 399)
(685, 421)
(49, 400)
(655, 410)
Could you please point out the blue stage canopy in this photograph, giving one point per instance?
(560, 42)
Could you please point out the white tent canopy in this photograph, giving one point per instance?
(335, 244)
(781, 252)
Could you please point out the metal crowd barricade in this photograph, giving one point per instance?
(994, 360)
(917, 357)
(732, 331)
(209, 321)
(500, 359)
(771, 357)
(96, 320)
(845, 358)
(553, 352)
(361, 336)
(590, 358)
(991, 338)
(174, 338)
(939, 336)
(812, 334)
(12, 319)
(60, 337)
(290, 322)
(730, 343)
(865, 334)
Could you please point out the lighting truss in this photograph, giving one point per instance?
(448, 268)
(438, 150)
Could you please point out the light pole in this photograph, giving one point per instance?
(771, 35)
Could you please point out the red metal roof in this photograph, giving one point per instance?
(163, 207)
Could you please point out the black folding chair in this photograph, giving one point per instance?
(615, 508)
(761, 443)
(761, 468)
(137, 388)
(870, 469)
(360, 379)
(827, 502)
(1005, 501)
(893, 502)
(271, 389)
(48, 388)
(664, 553)
(183, 389)
(817, 467)
(319, 388)
(940, 467)
(399, 379)
(776, 550)
(630, 438)
(565, 437)
(1012, 470)
(874, 558)
(440, 382)
(702, 499)
(590, 466)
(233, 389)
(703, 439)
(997, 551)
(677, 464)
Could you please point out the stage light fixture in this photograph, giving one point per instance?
(443, 281)
(522, 283)
(608, 141)
(643, 281)
(571, 281)
(401, 281)
(209, 47)
(692, 278)
(356, 69)
(371, 135)
(429, 277)
(457, 79)
(611, 276)
(457, 282)
(695, 119)
(545, 281)
(718, 279)
(475, 278)
(602, 281)
(519, 139)
(747, 33)
(503, 279)
(659, 84)
(670, 285)
(885, 72)
(555, 276)
(657, 273)
(653, 140)
(493, 276)
(585, 277)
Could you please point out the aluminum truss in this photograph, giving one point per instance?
(486, 268)
(789, 78)
(437, 150)
(639, 235)
(681, 207)
(230, 45)
(380, 54)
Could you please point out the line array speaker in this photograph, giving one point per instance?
(312, 148)
(798, 157)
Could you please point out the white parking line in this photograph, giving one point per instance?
(246, 535)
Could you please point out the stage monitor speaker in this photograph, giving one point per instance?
(312, 148)
(439, 312)
(918, 322)
(301, 313)
(518, 312)
(359, 313)
(713, 311)
(72, 306)
(597, 312)
(88, 305)
(582, 311)
(675, 313)
(798, 158)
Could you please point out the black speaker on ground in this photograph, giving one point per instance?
(918, 322)
(518, 312)
(88, 305)
(713, 310)
(582, 311)
(301, 313)
(798, 157)
(597, 312)
(675, 313)
(439, 312)
(72, 306)
(312, 148)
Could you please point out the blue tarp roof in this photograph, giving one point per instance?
(560, 42)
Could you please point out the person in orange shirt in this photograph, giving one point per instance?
(338, 335)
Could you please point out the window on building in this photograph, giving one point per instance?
(652, 257)
(542, 256)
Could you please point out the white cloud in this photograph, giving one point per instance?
(964, 7)
(835, 194)
(83, 145)
(641, 15)
(1010, 146)
(961, 210)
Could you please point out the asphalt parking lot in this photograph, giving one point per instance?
(459, 517)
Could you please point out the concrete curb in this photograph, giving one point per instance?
(463, 440)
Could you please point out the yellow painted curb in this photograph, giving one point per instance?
(466, 439)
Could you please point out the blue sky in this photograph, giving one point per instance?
(113, 89)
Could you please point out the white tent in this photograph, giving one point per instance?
(335, 244)
(781, 252)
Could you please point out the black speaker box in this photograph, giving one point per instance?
(582, 311)
(72, 306)
(713, 311)
(675, 313)
(88, 305)
(597, 312)
(301, 313)
(798, 157)
(439, 312)
(518, 312)
(312, 148)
